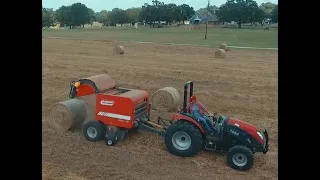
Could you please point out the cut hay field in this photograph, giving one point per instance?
(233, 37)
(243, 85)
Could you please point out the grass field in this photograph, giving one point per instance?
(243, 85)
(233, 37)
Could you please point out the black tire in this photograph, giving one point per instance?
(237, 154)
(186, 128)
(96, 126)
(110, 142)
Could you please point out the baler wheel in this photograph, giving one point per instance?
(94, 130)
(109, 142)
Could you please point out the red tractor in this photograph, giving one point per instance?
(118, 110)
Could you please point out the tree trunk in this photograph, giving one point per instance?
(82, 25)
(239, 24)
(70, 26)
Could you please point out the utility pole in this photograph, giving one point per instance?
(205, 36)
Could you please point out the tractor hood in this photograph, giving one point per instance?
(243, 125)
(249, 128)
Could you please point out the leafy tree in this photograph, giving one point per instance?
(63, 16)
(102, 17)
(48, 17)
(186, 12)
(171, 12)
(132, 15)
(274, 14)
(147, 13)
(91, 16)
(75, 15)
(267, 8)
(241, 11)
(159, 11)
(117, 16)
(79, 14)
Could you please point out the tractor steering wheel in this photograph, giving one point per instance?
(220, 119)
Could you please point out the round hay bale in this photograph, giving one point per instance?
(220, 53)
(118, 50)
(90, 105)
(67, 115)
(223, 46)
(165, 99)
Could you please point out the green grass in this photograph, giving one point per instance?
(233, 37)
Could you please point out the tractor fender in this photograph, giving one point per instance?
(180, 117)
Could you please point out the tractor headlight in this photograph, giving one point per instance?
(260, 135)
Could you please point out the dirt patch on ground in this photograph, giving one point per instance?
(243, 85)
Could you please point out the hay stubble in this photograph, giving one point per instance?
(156, 66)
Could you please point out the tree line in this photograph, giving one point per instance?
(78, 14)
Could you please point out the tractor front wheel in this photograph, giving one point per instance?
(94, 131)
(240, 158)
(183, 139)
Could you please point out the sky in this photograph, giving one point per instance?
(98, 5)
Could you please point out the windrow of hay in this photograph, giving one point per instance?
(67, 115)
(118, 50)
(166, 99)
(220, 53)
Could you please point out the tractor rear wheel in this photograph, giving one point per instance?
(94, 131)
(183, 139)
(240, 158)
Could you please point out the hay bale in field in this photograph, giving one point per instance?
(118, 50)
(166, 99)
(223, 46)
(67, 115)
(220, 53)
(90, 104)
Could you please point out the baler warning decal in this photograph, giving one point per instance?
(111, 115)
(107, 103)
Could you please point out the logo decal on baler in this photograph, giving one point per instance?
(112, 115)
(106, 102)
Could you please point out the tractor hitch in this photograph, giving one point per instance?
(148, 128)
(146, 125)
